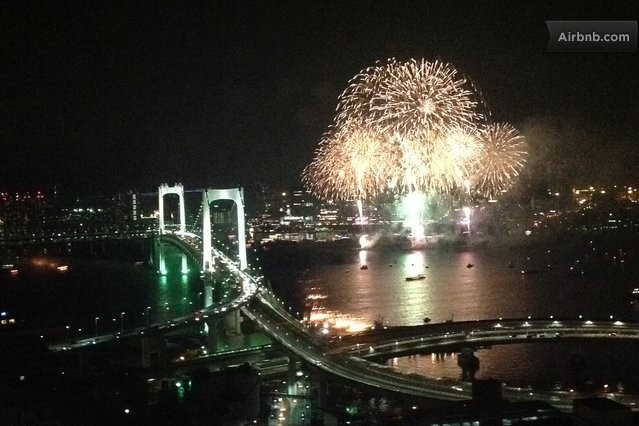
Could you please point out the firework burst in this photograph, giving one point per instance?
(450, 163)
(408, 97)
(418, 107)
(350, 163)
(412, 126)
(500, 158)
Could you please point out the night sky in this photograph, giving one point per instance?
(100, 96)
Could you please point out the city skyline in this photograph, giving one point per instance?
(106, 97)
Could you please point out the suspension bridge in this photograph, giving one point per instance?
(351, 363)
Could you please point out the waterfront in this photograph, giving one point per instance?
(41, 296)
(588, 276)
(585, 366)
(490, 288)
(585, 277)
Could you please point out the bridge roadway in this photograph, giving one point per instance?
(348, 360)
(19, 240)
(190, 243)
(189, 248)
(256, 355)
(402, 341)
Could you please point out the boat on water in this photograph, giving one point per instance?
(363, 267)
(6, 319)
(416, 277)
(315, 296)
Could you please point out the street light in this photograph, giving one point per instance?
(148, 320)
(121, 322)
(96, 326)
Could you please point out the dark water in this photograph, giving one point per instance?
(543, 365)
(579, 276)
(453, 290)
(40, 296)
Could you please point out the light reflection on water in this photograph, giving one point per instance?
(362, 258)
(44, 297)
(540, 365)
(414, 263)
(453, 289)
(484, 284)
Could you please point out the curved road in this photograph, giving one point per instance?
(184, 241)
(347, 360)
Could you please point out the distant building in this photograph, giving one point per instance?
(22, 213)
(592, 196)
(303, 205)
(630, 194)
(278, 207)
(328, 214)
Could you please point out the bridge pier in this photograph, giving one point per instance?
(185, 266)
(319, 391)
(208, 294)
(469, 364)
(157, 256)
(292, 374)
(213, 334)
(153, 351)
(233, 322)
(153, 250)
(233, 328)
(223, 333)
(161, 261)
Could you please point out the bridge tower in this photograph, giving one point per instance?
(208, 196)
(175, 189)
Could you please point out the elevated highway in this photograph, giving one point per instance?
(191, 245)
(350, 360)
(20, 240)
(402, 341)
